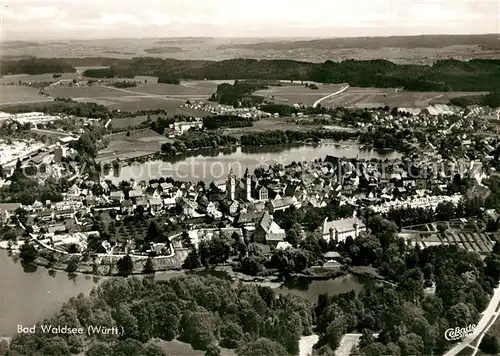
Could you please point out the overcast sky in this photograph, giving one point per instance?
(55, 19)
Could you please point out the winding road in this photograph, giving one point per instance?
(317, 102)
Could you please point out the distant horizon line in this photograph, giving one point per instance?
(292, 38)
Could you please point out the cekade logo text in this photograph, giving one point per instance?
(458, 333)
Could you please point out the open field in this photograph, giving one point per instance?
(268, 124)
(128, 122)
(20, 93)
(376, 97)
(83, 92)
(143, 97)
(140, 143)
(29, 78)
(188, 90)
(134, 103)
(357, 97)
(298, 94)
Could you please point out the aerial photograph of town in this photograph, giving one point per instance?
(259, 178)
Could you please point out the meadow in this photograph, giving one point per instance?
(298, 94)
(357, 97)
(376, 97)
(269, 124)
(123, 123)
(35, 78)
(142, 97)
(138, 143)
(11, 94)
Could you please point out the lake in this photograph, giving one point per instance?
(213, 164)
(27, 298)
(311, 289)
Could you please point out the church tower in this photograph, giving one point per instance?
(248, 185)
(231, 185)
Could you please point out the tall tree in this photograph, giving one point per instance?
(28, 253)
(192, 260)
(149, 266)
(125, 265)
(153, 233)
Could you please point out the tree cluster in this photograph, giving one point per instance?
(62, 106)
(278, 137)
(35, 66)
(238, 94)
(387, 138)
(312, 217)
(166, 78)
(444, 211)
(443, 75)
(125, 84)
(281, 109)
(26, 189)
(409, 320)
(189, 141)
(196, 310)
(226, 121)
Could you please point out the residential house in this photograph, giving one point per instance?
(117, 196)
(230, 206)
(7, 210)
(153, 192)
(249, 219)
(220, 185)
(44, 216)
(135, 194)
(127, 207)
(281, 204)
(104, 186)
(37, 206)
(169, 202)
(166, 188)
(56, 228)
(268, 231)
(155, 204)
(177, 193)
(64, 214)
(142, 202)
(339, 230)
(206, 206)
(74, 191)
(189, 207)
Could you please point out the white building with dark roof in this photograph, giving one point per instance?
(339, 230)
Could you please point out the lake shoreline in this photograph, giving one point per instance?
(214, 164)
